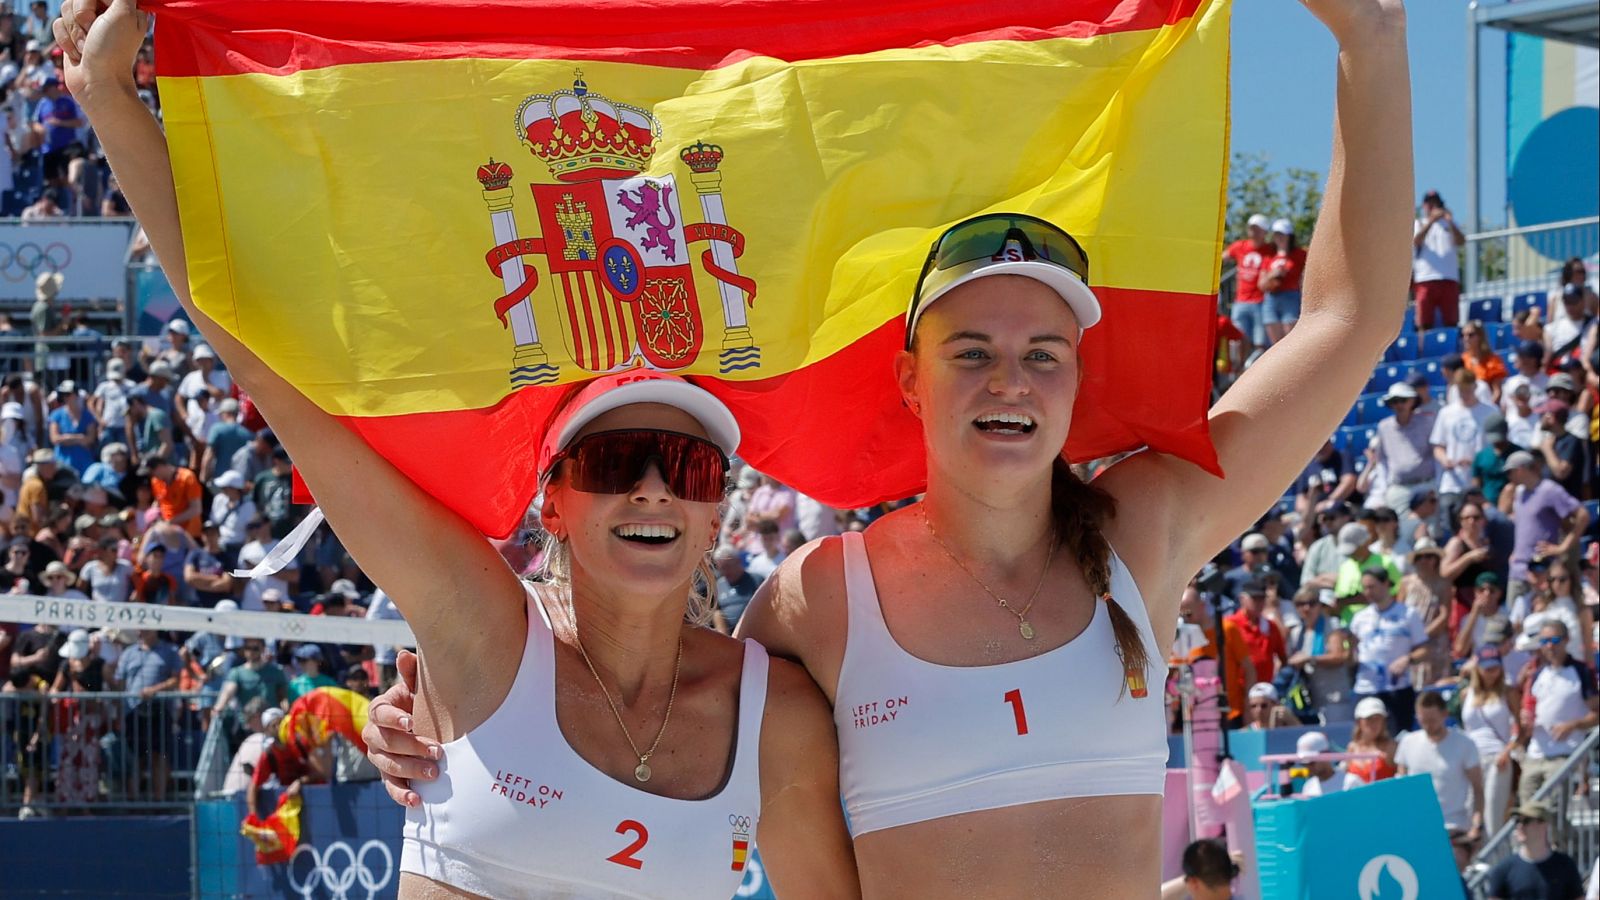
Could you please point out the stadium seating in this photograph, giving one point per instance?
(1386, 375)
(1526, 301)
(1353, 441)
(1502, 336)
(1486, 309)
(1441, 342)
(1405, 348)
(1432, 369)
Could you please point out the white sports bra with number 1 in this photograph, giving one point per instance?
(516, 812)
(920, 741)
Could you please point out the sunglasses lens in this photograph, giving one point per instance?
(613, 462)
(988, 237)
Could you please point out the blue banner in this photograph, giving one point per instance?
(1384, 841)
(349, 848)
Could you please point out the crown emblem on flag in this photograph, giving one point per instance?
(583, 136)
(494, 176)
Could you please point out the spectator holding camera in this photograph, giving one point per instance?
(1435, 270)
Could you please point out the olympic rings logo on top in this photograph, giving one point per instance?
(27, 261)
(355, 871)
(740, 822)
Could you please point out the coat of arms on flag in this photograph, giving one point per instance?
(615, 243)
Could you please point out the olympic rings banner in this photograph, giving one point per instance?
(429, 217)
(91, 257)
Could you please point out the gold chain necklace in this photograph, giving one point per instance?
(1022, 617)
(642, 771)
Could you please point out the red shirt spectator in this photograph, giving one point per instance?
(1262, 637)
(1287, 268)
(1247, 256)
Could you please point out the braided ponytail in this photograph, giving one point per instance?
(1080, 509)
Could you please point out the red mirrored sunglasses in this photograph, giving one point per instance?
(613, 462)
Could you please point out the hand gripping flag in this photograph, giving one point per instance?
(430, 216)
(278, 834)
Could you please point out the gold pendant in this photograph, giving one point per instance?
(643, 772)
(1027, 631)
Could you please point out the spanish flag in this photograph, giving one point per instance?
(278, 834)
(431, 216)
(315, 718)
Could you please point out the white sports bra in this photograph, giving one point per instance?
(920, 741)
(516, 812)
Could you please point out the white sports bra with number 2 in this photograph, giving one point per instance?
(516, 812)
(920, 741)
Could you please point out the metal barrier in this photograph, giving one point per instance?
(52, 360)
(1514, 264)
(1574, 827)
(98, 752)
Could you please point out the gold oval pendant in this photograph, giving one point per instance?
(643, 772)
(1027, 631)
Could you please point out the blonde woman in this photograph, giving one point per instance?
(1487, 703)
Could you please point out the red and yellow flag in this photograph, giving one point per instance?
(278, 834)
(428, 216)
(322, 713)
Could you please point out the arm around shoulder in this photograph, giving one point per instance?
(804, 844)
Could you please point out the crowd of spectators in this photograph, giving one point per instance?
(1434, 587)
(51, 165)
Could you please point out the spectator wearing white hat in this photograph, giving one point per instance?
(1324, 778)
(1248, 255)
(58, 581)
(15, 447)
(176, 353)
(1371, 735)
(1403, 439)
(262, 721)
(74, 431)
(232, 509)
(1279, 281)
(46, 318)
(109, 402)
(1262, 710)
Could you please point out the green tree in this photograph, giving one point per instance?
(1255, 187)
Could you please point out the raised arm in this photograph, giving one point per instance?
(430, 560)
(1173, 517)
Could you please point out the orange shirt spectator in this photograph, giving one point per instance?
(177, 493)
(1233, 676)
(1262, 639)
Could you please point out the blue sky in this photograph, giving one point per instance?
(1283, 87)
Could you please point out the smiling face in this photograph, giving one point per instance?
(645, 541)
(993, 375)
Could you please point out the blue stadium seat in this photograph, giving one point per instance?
(1371, 409)
(1441, 342)
(1352, 441)
(1383, 376)
(1593, 506)
(1502, 337)
(1435, 373)
(1486, 309)
(1358, 460)
(1408, 325)
(1405, 348)
(1526, 301)
(1352, 418)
